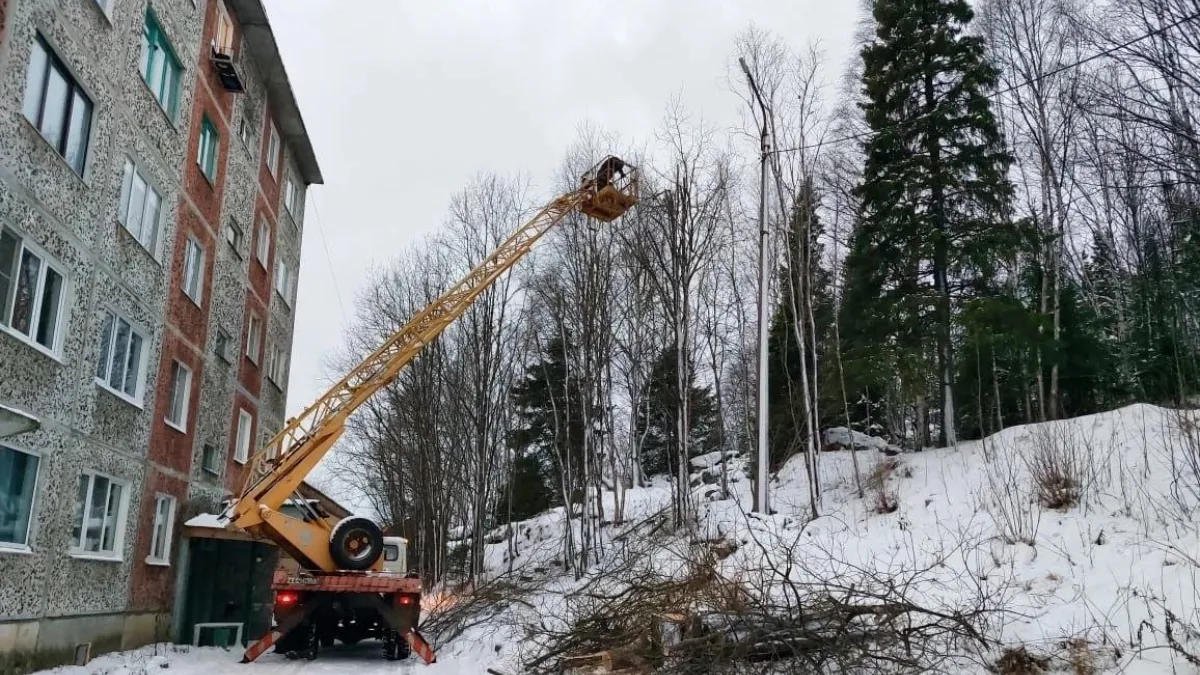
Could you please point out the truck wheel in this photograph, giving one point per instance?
(395, 648)
(356, 543)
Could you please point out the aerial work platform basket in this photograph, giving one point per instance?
(612, 188)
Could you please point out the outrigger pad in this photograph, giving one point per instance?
(418, 644)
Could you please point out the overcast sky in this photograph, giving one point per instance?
(405, 101)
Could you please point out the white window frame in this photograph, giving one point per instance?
(224, 30)
(140, 379)
(245, 427)
(138, 230)
(244, 131)
(276, 364)
(117, 553)
(254, 334)
(178, 368)
(8, 299)
(215, 469)
(262, 251)
(234, 229)
(168, 523)
(222, 351)
(285, 283)
(192, 281)
(291, 197)
(24, 546)
(273, 150)
(75, 133)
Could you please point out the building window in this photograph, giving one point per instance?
(244, 130)
(273, 150)
(140, 206)
(164, 524)
(241, 453)
(180, 393)
(193, 270)
(18, 482)
(206, 156)
(31, 293)
(223, 40)
(221, 346)
(233, 235)
(121, 357)
(254, 338)
(264, 242)
(159, 66)
(276, 365)
(293, 199)
(285, 281)
(100, 511)
(209, 459)
(57, 106)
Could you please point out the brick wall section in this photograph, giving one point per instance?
(186, 330)
(190, 319)
(260, 275)
(250, 374)
(152, 586)
(171, 448)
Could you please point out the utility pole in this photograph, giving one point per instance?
(762, 503)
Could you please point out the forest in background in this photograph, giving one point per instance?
(989, 218)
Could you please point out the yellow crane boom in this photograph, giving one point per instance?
(606, 192)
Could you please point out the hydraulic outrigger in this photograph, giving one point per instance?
(344, 576)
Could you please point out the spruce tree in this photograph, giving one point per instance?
(526, 494)
(658, 420)
(549, 403)
(802, 279)
(935, 194)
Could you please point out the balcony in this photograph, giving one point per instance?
(226, 68)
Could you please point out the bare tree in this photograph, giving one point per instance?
(481, 217)
(1034, 42)
(680, 224)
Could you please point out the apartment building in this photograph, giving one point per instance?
(153, 171)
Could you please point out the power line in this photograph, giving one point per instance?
(1007, 90)
(329, 259)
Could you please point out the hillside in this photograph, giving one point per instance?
(1090, 584)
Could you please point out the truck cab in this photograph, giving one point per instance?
(395, 555)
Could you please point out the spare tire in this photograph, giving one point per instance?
(356, 543)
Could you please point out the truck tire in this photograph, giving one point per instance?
(395, 648)
(356, 543)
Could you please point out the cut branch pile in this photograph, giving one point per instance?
(698, 621)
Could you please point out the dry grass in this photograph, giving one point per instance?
(1019, 661)
(1058, 466)
(883, 498)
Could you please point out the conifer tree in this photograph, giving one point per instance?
(935, 194)
(657, 419)
(549, 403)
(802, 280)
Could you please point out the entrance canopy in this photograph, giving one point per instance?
(13, 422)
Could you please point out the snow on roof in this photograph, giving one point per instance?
(210, 521)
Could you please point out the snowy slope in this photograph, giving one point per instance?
(960, 524)
(967, 524)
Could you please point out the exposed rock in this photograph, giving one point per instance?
(841, 438)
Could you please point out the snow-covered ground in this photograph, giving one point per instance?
(362, 659)
(961, 525)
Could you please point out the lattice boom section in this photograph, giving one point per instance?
(290, 444)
